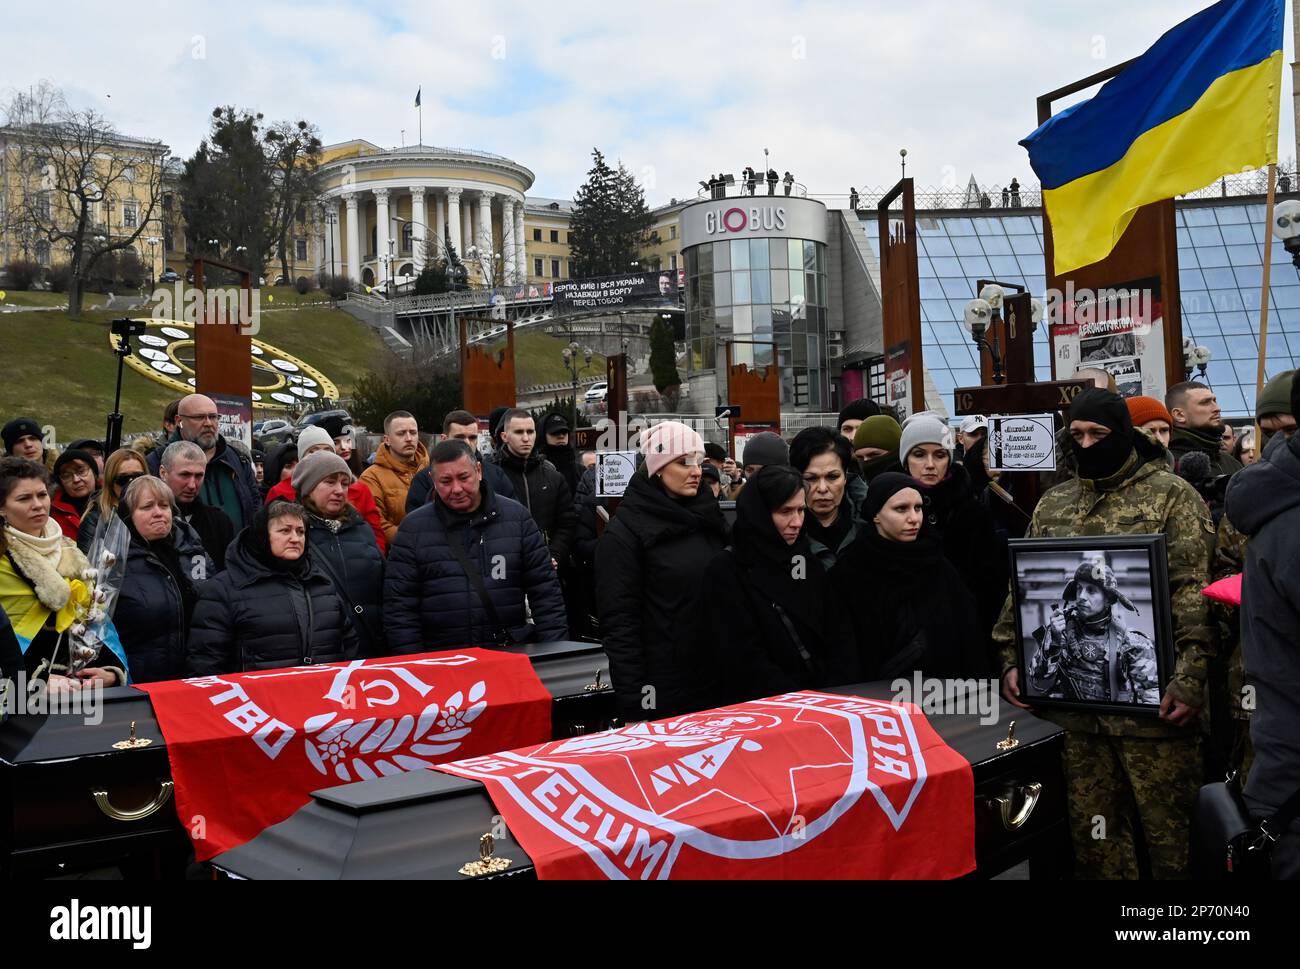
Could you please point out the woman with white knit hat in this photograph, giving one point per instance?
(650, 565)
(954, 512)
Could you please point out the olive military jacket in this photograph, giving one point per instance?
(1143, 498)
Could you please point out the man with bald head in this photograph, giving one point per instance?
(231, 482)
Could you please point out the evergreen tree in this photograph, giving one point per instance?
(610, 221)
(663, 356)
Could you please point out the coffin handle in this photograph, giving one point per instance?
(134, 814)
(1029, 795)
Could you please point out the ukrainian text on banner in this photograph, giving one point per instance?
(247, 749)
(802, 785)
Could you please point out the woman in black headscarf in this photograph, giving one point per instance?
(910, 609)
(770, 616)
(273, 606)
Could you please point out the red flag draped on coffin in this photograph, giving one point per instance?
(247, 749)
(803, 785)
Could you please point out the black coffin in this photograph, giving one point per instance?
(426, 824)
(52, 766)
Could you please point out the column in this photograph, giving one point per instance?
(335, 240)
(508, 238)
(466, 229)
(521, 249)
(439, 227)
(418, 240)
(382, 273)
(354, 238)
(485, 228)
(453, 221)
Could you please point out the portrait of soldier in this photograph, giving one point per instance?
(1086, 652)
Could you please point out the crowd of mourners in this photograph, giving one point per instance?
(869, 550)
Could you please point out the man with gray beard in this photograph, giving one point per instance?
(230, 483)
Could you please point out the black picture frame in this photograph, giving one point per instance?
(1043, 571)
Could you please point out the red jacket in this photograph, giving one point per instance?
(69, 518)
(359, 497)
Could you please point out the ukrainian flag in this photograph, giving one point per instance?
(1201, 103)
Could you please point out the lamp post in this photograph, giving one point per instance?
(570, 357)
(153, 276)
(331, 220)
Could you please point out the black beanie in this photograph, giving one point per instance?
(882, 488)
(19, 427)
(714, 452)
(1105, 408)
(857, 410)
(494, 423)
(75, 454)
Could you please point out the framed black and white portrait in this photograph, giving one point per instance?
(1093, 622)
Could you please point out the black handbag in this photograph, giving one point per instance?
(1227, 843)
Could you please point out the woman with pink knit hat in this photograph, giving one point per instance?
(650, 565)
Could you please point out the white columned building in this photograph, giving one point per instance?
(357, 171)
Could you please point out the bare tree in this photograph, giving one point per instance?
(71, 167)
(293, 152)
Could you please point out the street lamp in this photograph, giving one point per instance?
(1286, 226)
(570, 356)
(1195, 358)
(153, 243)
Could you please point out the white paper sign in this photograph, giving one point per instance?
(614, 470)
(1024, 442)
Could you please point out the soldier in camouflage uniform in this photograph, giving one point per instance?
(1130, 773)
(1087, 653)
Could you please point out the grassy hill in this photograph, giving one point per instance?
(61, 370)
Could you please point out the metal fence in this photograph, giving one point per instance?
(1029, 195)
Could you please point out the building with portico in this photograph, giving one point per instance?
(387, 212)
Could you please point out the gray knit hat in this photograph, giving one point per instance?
(315, 468)
(766, 448)
(926, 430)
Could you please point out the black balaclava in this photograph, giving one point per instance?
(1105, 458)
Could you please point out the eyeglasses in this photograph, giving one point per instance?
(120, 481)
(70, 474)
(204, 418)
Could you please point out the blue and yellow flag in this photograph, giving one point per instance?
(1201, 103)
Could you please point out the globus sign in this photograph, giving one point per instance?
(737, 219)
(756, 218)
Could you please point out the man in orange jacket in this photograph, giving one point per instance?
(400, 457)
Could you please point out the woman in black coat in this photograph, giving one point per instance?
(770, 613)
(273, 606)
(910, 609)
(343, 544)
(954, 512)
(650, 566)
(157, 597)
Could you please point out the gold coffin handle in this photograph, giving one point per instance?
(1029, 795)
(136, 814)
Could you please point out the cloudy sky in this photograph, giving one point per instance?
(674, 90)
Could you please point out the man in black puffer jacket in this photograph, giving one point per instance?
(538, 486)
(273, 607)
(429, 600)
